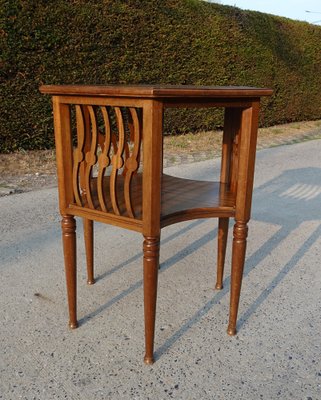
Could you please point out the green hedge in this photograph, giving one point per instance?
(150, 41)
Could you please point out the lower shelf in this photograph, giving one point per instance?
(182, 199)
(185, 199)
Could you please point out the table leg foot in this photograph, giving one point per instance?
(231, 331)
(73, 325)
(149, 360)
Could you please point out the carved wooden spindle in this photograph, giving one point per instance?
(132, 163)
(240, 232)
(151, 263)
(91, 156)
(78, 153)
(117, 160)
(104, 160)
(68, 225)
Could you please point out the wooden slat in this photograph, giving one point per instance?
(117, 161)
(132, 163)
(87, 145)
(78, 153)
(104, 160)
(136, 194)
(91, 156)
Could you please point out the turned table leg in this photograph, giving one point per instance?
(152, 172)
(221, 250)
(238, 258)
(68, 225)
(89, 245)
(151, 263)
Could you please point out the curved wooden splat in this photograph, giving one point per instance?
(117, 160)
(78, 153)
(104, 160)
(91, 156)
(132, 163)
(115, 150)
(86, 147)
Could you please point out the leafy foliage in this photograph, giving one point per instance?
(150, 41)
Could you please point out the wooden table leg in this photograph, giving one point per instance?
(68, 225)
(238, 258)
(244, 188)
(152, 171)
(89, 245)
(232, 122)
(151, 264)
(221, 250)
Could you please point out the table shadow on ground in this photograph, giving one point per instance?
(285, 201)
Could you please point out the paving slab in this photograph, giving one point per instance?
(276, 353)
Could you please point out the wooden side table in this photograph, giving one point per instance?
(109, 160)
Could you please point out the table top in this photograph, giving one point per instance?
(157, 91)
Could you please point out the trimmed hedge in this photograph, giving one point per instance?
(150, 41)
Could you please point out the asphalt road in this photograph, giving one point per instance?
(276, 353)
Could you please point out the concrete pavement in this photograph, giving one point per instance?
(276, 353)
